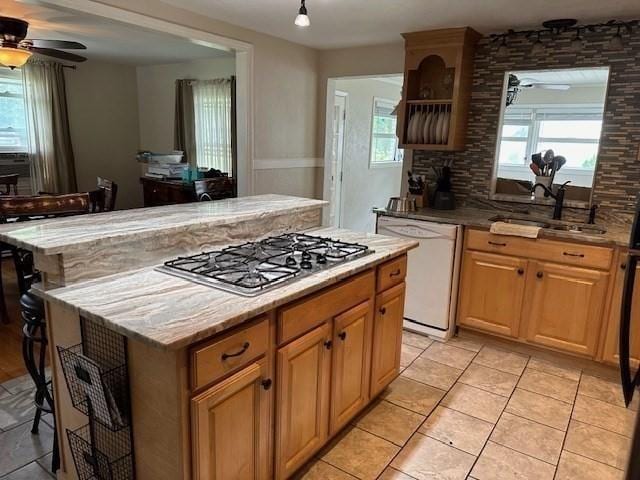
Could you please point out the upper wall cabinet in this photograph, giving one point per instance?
(437, 78)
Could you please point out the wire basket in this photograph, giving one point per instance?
(100, 390)
(101, 454)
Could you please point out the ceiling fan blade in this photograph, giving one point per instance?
(50, 52)
(64, 44)
(552, 86)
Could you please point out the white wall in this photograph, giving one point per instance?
(103, 118)
(156, 96)
(285, 93)
(364, 187)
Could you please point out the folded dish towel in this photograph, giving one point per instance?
(503, 228)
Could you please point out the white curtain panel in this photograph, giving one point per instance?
(212, 102)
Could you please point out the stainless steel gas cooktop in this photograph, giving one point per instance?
(256, 267)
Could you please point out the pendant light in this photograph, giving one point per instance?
(538, 47)
(577, 43)
(302, 20)
(503, 49)
(616, 42)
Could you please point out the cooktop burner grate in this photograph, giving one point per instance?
(253, 268)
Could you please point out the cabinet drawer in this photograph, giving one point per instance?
(305, 314)
(541, 249)
(211, 361)
(391, 273)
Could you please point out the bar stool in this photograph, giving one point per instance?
(35, 334)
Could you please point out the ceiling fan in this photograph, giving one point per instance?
(530, 83)
(15, 48)
(515, 86)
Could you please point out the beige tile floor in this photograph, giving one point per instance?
(476, 408)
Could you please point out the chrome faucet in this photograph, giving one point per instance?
(558, 197)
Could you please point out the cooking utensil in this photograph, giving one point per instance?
(534, 168)
(401, 205)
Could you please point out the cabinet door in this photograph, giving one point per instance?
(564, 307)
(491, 292)
(231, 425)
(304, 368)
(351, 364)
(387, 338)
(610, 354)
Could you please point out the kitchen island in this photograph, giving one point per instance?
(218, 385)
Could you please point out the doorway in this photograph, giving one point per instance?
(363, 165)
(337, 154)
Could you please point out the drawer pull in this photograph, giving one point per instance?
(521, 271)
(382, 311)
(623, 266)
(539, 274)
(266, 384)
(342, 336)
(496, 244)
(244, 348)
(570, 254)
(327, 344)
(395, 273)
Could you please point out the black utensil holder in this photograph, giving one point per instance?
(96, 373)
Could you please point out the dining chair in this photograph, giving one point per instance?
(8, 181)
(110, 189)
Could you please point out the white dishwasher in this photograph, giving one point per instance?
(433, 270)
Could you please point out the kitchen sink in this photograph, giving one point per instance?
(577, 228)
(521, 221)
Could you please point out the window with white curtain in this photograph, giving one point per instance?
(212, 105)
(13, 117)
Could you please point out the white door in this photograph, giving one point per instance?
(337, 152)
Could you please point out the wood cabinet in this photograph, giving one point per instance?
(564, 307)
(491, 292)
(387, 338)
(610, 351)
(539, 291)
(302, 399)
(328, 366)
(351, 364)
(437, 88)
(231, 427)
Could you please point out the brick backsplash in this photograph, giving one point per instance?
(618, 173)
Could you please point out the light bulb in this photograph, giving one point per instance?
(302, 20)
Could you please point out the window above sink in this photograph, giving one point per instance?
(559, 110)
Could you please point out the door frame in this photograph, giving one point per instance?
(244, 56)
(337, 180)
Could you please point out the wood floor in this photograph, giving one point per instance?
(11, 363)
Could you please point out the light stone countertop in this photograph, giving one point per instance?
(169, 312)
(67, 234)
(617, 235)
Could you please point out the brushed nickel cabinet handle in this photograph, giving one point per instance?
(395, 273)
